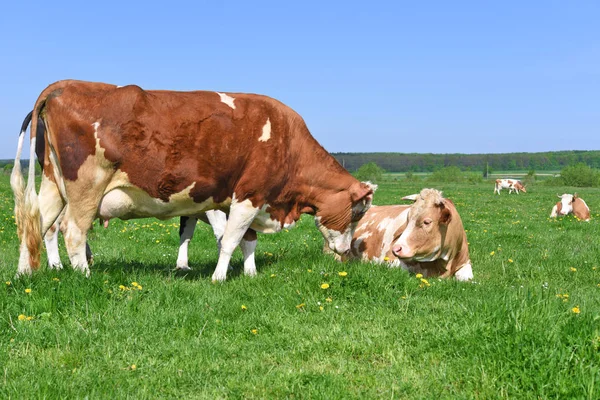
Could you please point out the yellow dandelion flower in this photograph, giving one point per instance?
(329, 299)
(158, 241)
(56, 279)
(403, 297)
(576, 310)
(510, 260)
(325, 286)
(492, 253)
(122, 287)
(22, 317)
(309, 270)
(254, 331)
(133, 367)
(8, 283)
(244, 308)
(321, 308)
(343, 273)
(572, 269)
(425, 281)
(300, 305)
(418, 276)
(386, 258)
(28, 291)
(29, 318)
(273, 275)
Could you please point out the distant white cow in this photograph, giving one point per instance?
(571, 204)
(510, 184)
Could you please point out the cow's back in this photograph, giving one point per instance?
(580, 209)
(167, 141)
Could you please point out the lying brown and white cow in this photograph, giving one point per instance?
(571, 204)
(426, 237)
(510, 184)
(123, 152)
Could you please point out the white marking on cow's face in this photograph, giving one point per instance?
(337, 241)
(566, 201)
(465, 273)
(266, 132)
(225, 98)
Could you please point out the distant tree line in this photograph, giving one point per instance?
(413, 162)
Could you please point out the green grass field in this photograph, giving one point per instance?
(527, 327)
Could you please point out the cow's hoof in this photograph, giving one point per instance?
(182, 268)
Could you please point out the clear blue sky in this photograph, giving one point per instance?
(438, 76)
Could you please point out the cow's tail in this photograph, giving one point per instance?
(27, 210)
(16, 178)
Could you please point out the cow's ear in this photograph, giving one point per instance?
(445, 216)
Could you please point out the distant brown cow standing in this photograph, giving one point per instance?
(427, 237)
(123, 152)
(510, 184)
(571, 204)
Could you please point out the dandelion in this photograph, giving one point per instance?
(575, 310)
(418, 276)
(8, 283)
(425, 282)
(244, 308)
(273, 275)
(22, 317)
(572, 269)
(321, 308)
(343, 273)
(325, 286)
(28, 291)
(136, 285)
(329, 299)
(158, 241)
(122, 287)
(510, 260)
(254, 331)
(492, 253)
(301, 305)
(133, 367)
(56, 279)
(386, 258)
(309, 270)
(29, 318)
(403, 297)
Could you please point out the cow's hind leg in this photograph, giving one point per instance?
(241, 216)
(75, 226)
(51, 211)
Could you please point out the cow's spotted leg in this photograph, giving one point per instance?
(187, 225)
(241, 215)
(75, 225)
(248, 245)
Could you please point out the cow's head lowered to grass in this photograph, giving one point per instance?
(338, 226)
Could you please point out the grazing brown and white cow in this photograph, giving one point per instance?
(571, 204)
(426, 237)
(123, 152)
(510, 184)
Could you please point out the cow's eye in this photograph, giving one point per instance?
(427, 221)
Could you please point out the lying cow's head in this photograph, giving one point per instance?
(337, 217)
(428, 220)
(566, 203)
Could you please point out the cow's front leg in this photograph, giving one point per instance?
(241, 215)
(248, 245)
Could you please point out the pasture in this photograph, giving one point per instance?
(307, 326)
